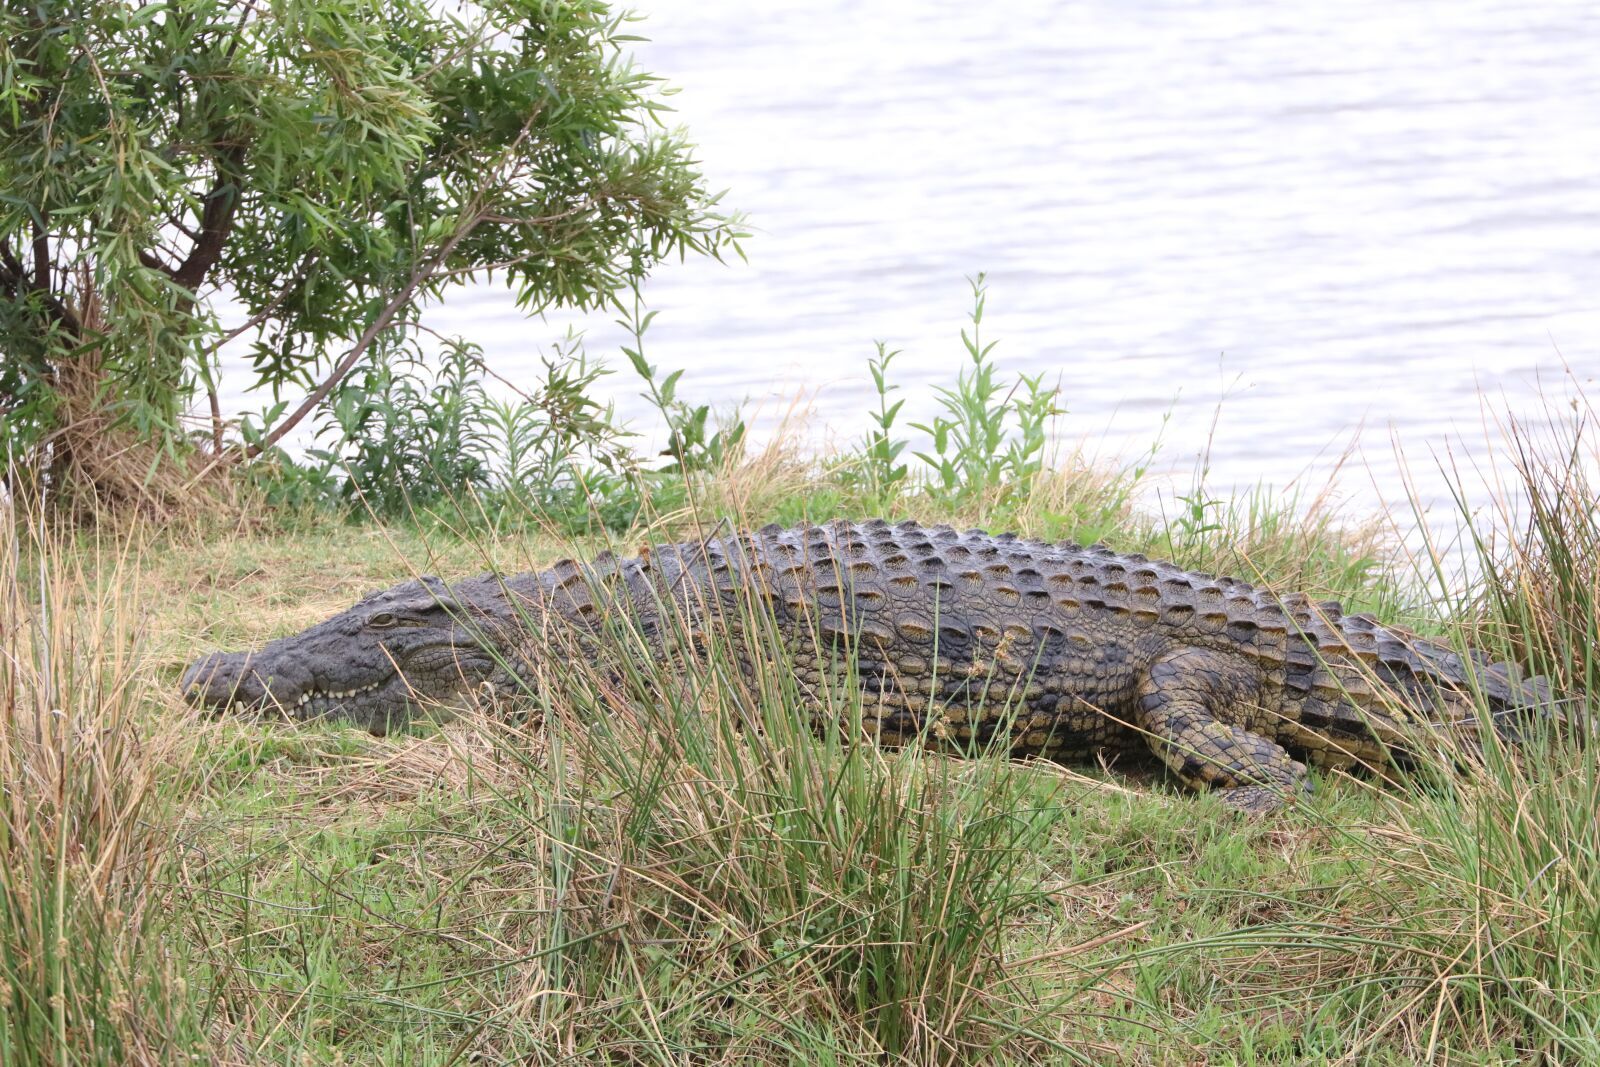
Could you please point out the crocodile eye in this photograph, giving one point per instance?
(381, 620)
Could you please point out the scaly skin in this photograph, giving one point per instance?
(962, 639)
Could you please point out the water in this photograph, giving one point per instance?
(1339, 215)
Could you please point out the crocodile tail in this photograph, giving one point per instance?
(1513, 702)
(1517, 702)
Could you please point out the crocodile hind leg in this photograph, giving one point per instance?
(1188, 709)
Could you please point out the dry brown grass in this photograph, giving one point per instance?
(84, 825)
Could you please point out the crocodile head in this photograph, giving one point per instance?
(418, 646)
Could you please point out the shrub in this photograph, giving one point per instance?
(329, 167)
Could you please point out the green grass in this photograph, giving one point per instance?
(659, 872)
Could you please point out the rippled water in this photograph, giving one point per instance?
(1339, 214)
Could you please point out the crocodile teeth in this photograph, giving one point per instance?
(336, 694)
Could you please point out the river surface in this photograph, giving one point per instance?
(1345, 222)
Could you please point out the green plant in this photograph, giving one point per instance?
(1200, 514)
(690, 448)
(1033, 406)
(989, 442)
(881, 473)
(545, 439)
(558, 455)
(1196, 519)
(406, 433)
(415, 433)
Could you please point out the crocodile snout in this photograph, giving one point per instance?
(224, 681)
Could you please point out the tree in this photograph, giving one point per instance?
(323, 165)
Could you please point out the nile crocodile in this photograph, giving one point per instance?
(969, 639)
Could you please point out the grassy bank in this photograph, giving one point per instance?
(635, 878)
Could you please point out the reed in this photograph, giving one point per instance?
(85, 843)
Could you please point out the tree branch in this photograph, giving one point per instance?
(41, 259)
(265, 313)
(424, 272)
(149, 260)
(15, 281)
(238, 30)
(216, 418)
(179, 225)
(216, 220)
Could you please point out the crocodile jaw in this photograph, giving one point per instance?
(242, 684)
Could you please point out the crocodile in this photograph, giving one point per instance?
(958, 639)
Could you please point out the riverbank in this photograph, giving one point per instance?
(638, 881)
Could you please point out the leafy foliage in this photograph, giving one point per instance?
(328, 166)
(411, 433)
